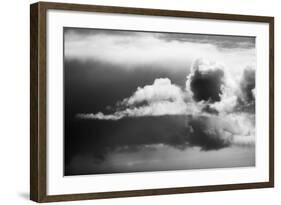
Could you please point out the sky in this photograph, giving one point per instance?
(146, 101)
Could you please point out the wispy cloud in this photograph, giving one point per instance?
(131, 49)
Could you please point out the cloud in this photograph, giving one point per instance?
(247, 92)
(221, 41)
(210, 89)
(129, 49)
(204, 114)
(180, 132)
(242, 126)
(235, 89)
(160, 98)
(204, 133)
(247, 86)
(204, 85)
(216, 132)
(205, 81)
(209, 109)
(161, 90)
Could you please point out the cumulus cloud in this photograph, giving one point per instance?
(206, 108)
(205, 81)
(243, 128)
(204, 86)
(161, 90)
(236, 90)
(160, 98)
(247, 85)
(246, 98)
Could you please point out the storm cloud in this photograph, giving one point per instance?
(206, 81)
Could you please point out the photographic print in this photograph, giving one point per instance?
(138, 101)
(135, 102)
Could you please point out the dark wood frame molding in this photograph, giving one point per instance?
(38, 183)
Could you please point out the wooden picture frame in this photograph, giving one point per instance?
(39, 111)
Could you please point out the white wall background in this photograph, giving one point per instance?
(14, 101)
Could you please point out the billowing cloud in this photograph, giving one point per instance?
(161, 90)
(210, 89)
(205, 81)
(247, 85)
(160, 98)
(204, 86)
(207, 108)
(237, 90)
(246, 98)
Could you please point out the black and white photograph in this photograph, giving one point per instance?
(147, 101)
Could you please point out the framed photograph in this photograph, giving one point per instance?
(134, 102)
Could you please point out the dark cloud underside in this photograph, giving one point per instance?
(207, 86)
(98, 138)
